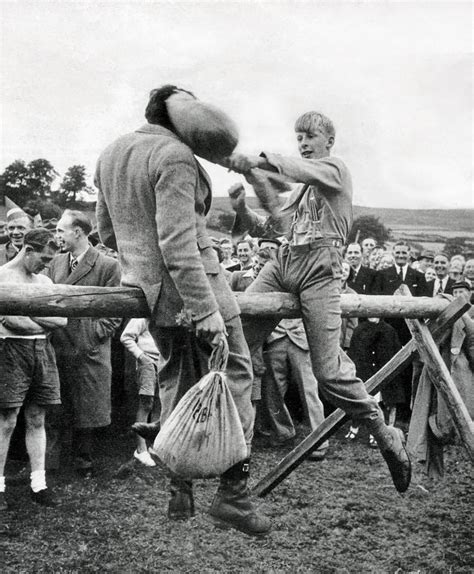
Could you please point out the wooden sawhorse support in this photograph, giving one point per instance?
(424, 342)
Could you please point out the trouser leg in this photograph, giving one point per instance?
(302, 374)
(333, 369)
(274, 386)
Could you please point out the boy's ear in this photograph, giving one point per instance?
(330, 143)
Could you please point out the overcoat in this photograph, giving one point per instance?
(83, 347)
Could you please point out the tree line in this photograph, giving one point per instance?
(32, 187)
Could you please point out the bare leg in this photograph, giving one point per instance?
(35, 436)
(7, 426)
(145, 406)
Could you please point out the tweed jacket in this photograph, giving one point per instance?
(152, 202)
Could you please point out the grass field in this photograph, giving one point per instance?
(341, 515)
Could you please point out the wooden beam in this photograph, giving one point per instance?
(441, 378)
(330, 425)
(79, 301)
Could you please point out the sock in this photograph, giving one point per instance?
(38, 480)
(2, 484)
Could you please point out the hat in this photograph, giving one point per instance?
(277, 242)
(16, 213)
(462, 284)
(426, 254)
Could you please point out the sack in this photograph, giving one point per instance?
(207, 130)
(203, 436)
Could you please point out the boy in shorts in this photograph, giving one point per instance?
(137, 339)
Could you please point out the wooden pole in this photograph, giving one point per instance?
(441, 378)
(80, 301)
(329, 426)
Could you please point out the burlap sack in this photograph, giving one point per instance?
(207, 130)
(203, 436)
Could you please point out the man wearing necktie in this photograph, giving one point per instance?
(83, 347)
(443, 282)
(388, 281)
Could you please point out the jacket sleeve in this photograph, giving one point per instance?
(130, 336)
(104, 221)
(175, 192)
(326, 172)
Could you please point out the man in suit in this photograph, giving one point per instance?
(361, 278)
(443, 282)
(153, 199)
(388, 281)
(83, 347)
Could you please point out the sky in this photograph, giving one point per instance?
(395, 78)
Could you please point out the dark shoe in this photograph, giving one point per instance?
(3, 502)
(43, 497)
(181, 503)
(232, 507)
(148, 431)
(319, 454)
(392, 447)
(285, 443)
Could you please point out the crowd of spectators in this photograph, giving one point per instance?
(284, 385)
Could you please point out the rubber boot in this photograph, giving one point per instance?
(181, 503)
(391, 442)
(232, 508)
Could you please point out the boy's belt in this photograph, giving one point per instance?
(317, 244)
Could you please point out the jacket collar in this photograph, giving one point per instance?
(157, 130)
(160, 130)
(84, 266)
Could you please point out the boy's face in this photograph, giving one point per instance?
(315, 144)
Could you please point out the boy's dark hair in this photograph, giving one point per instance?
(156, 111)
(39, 238)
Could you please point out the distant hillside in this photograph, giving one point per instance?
(426, 226)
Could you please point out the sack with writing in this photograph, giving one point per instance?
(203, 436)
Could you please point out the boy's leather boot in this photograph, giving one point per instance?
(391, 442)
(232, 507)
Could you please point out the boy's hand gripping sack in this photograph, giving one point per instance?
(203, 436)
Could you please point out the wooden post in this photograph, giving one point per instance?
(441, 378)
(81, 301)
(329, 426)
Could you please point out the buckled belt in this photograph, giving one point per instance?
(317, 244)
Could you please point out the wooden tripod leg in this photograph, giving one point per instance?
(329, 426)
